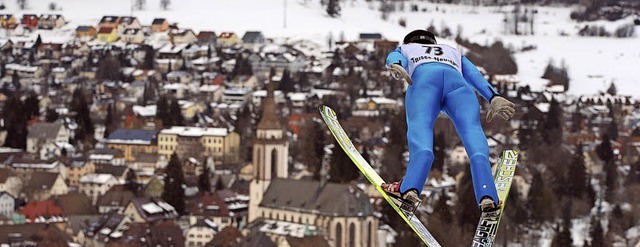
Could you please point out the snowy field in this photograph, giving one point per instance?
(593, 63)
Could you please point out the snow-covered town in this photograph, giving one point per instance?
(120, 130)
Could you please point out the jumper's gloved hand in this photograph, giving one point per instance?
(502, 107)
(398, 72)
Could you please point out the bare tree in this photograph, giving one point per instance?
(22, 4)
(164, 4)
(140, 4)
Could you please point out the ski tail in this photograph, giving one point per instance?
(330, 118)
(490, 221)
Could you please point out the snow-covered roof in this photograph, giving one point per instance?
(145, 111)
(151, 208)
(194, 131)
(95, 178)
(22, 68)
(295, 96)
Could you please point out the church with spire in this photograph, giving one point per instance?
(341, 213)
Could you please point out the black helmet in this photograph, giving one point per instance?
(420, 36)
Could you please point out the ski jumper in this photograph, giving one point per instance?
(443, 81)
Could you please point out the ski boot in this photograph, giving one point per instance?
(488, 205)
(410, 200)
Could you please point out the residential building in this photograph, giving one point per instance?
(43, 185)
(207, 38)
(10, 182)
(165, 233)
(253, 37)
(200, 233)
(149, 210)
(95, 185)
(128, 22)
(197, 142)
(26, 165)
(77, 167)
(27, 73)
(49, 51)
(227, 39)
(42, 211)
(107, 156)
(116, 199)
(133, 36)
(212, 208)
(159, 25)
(29, 21)
(7, 20)
(33, 234)
(119, 172)
(236, 95)
(42, 133)
(77, 227)
(133, 142)
(110, 226)
(109, 21)
(86, 32)
(182, 36)
(154, 187)
(51, 21)
(107, 34)
(7, 204)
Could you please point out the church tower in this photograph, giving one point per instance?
(270, 152)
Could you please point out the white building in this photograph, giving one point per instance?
(95, 185)
(7, 204)
(200, 233)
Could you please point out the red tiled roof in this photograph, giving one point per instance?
(45, 209)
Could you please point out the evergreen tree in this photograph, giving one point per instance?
(15, 121)
(342, 169)
(439, 148)
(333, 8)
(204, 179)
(15, 80)
(110, 121)
(287, 85)
(32, 105)
(312, 145)
(576, 177)
(633, 177)
(162, 112)
(604, 149)
(51, 115)
(173, 184)
(539, 199)
(467, 212)
(131, 183)
(80, 105)
(552, 125)
(109, 68)
(244, 126)
(611, 180)
(563, 232)
(597, 233)
(149, 58)
(442, 209)
(176, 113)
(612, 89)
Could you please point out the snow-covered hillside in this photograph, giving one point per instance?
(593, 62)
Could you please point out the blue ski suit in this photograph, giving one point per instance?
(443, 80)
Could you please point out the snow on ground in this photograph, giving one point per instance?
(593, 62)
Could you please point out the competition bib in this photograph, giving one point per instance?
(418, 54)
